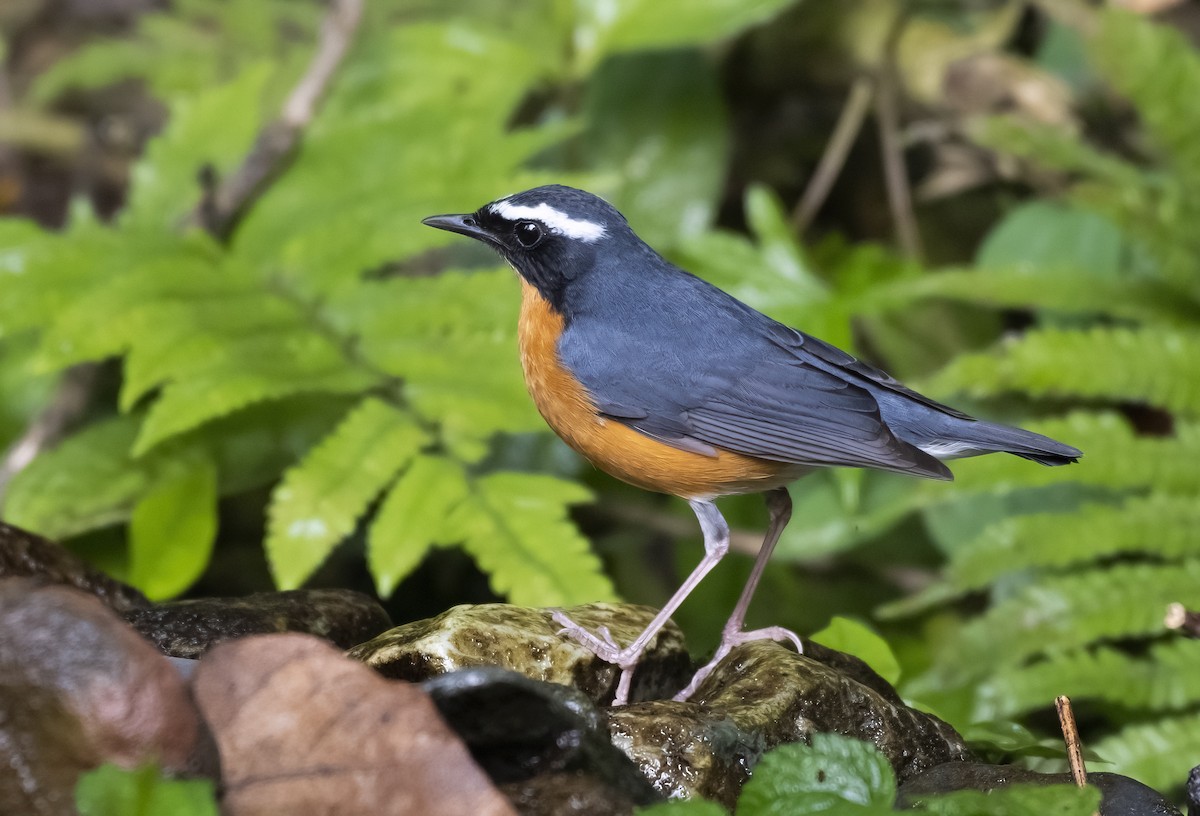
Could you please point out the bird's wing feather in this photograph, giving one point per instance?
(729, 384)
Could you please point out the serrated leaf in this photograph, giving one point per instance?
(1159, 753)
(1156, 365)
(834, 774)
(688, 807)
(113, 791)
(413, 518)
(858, 639)
(258, 368)
(515, 525)
(320, 500)
(172, 530)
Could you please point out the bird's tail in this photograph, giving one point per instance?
(988, 437)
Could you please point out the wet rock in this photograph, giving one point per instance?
(190, 628)
(765, 695)
(527, 641)
(79, 688)
(302, 730)
(545, 744)
(1120, 795)
(25, 555)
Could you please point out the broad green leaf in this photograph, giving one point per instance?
(657, 120)
(413, 518)
(172, 530)
(87, 481)
(858, 639)
(1042, 234)
(1016, 800)
(215, 128)
(113, 791)
(320, 500)
(835, 775)
(515, 525)
(603, 29)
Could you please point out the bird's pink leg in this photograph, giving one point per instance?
(716, 545)
(779, 506)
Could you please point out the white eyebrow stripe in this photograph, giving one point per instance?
(555, 220)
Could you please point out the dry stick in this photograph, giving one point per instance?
(217, 212)
(1066, 718)
(849, 123)
(221, 207)
(894, 172)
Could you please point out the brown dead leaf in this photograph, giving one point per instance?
(304, 730)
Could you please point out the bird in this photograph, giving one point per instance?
(669, 383)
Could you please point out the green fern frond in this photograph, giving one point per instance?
(1154, 65)
(1152, 364)
(516, 527)
(1163, 526)
(320, 500)
(1125, 600)
(1167, 678)
(1058, 148)
(413, 518)
(1059, 289)
(1159, 754)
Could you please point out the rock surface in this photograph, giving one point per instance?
(25, 555)
(527, 641)
(79, 688)
(545, 744)
(764, 695)
(190, 628)
(302, 730)
(1120, 795)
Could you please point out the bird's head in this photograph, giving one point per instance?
(551, 235)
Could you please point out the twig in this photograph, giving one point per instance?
(849, 123)
(1185, 620)
(63, 411)
(892, 149)
(1066, 718)
(221, 208)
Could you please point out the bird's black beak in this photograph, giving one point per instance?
(462, 224)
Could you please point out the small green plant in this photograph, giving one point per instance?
(113, 791)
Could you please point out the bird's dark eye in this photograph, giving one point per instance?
(529, 234)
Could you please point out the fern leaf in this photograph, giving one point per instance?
(1126, 600)
(172, 531)
(412, 518)
(1055, 147)
(516, 527)
(1157, 365)
(1159, 754)
(1167, 678)
(1057, 288)
(256, 369)
(1157, 525)
(1154, 65)
(320, 500)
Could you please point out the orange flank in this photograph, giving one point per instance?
(614, 447)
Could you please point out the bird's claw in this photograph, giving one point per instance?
(736, 638)
(601, 643)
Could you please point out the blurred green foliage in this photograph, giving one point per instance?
(113, 791)
(363, 370)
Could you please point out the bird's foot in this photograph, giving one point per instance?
(602, 644)
(736, 637)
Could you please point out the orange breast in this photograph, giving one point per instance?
(613, 447)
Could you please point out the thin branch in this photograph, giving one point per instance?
(849, 123)
(1066, 718)
(222, 207)
(64, 410)
(887, 112)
